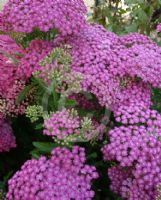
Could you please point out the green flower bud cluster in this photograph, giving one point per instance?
(86, 124)
(34, 112)
(69, 140)
(60, 55)
(91, 132)
(57, 67)
(73, 113)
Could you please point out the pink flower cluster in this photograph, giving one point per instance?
(8, 104)
(11, 81)
(17, 65)
(143, 61)
(120, 71)
(111, 63)
(121, 180)
(137, 149)
(9, 55)
(61, 124)
(64, 176)
(124, 184)
(34, 54)
(7, 139)
(134, 38)
(65, 123)
(23, 16)
(159, 28)
(132, 94)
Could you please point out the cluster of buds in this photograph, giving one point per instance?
(34, 112)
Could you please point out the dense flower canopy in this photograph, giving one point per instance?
(64, 176)
(23, 16)
(118, 71)
(138, 149)
(114, 64)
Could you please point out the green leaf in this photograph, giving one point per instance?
(35, 154)
(129, 1)
(38, 127)
(45, 147)
(132, 27)
(23, 94)
(40, 83)
(92, 156)
(88, 95)
(141, 14)
(70, 103)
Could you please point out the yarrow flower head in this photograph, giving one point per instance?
(34, 112)
(55, 69)
(137, 149)
(7, 139)
(123, 184)
(11, 81)
(64, 176)
(67, 126)
(23, 16)
(61, 124)
(159, 28)
(106, 60)
(9, 59)
(34, 53)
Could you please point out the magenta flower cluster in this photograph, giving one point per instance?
(9, 52)
(23, 16)
(159, 28)
(137, 149)
(120, 71)
(7, 139)
(17, 65)
(124, 184)
(114, 64)
(11, 81)
(64, 176)
(61, 124)
(34, 54)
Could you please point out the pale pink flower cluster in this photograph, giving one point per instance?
(11, 81)
(61, 124)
